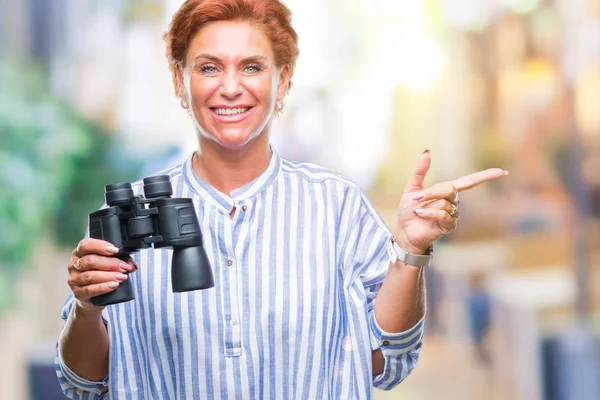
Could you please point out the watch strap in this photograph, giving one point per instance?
(397, 253)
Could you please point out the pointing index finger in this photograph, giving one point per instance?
(470, 181)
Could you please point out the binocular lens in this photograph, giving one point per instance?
(118, 193)
(157, 186)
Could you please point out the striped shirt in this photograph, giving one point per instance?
(291, 314)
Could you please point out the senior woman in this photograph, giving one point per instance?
(314, 297)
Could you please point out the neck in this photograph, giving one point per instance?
(227, 169)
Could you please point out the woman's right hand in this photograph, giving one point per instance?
(94, 271)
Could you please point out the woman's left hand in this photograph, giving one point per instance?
(425, 215)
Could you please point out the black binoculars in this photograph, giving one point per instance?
(156, 219)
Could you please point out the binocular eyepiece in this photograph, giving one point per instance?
(156, 220)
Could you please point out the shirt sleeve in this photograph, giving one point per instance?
(72, 385)
(368, 263)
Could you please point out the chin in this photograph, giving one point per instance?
(231, 140)
(231, 137)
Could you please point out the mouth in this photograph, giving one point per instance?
(230, 114)
(229, 111)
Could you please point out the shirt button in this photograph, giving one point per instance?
(244, 207)
(385, 343)
(232, 322)
(229, 263)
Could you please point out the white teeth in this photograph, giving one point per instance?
(231, 111)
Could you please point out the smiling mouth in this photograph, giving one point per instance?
(230, 111)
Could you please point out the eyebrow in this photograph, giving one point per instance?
(243, 61)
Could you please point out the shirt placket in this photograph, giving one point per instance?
(233, 336)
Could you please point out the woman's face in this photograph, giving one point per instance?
(232, 82)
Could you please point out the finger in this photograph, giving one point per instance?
(94, 246)
(442, 204)
(132, 262)
(95, 277)
(470, 181)
(456, 199)
(94, 262)
(443, 190)
(86, 292)
(441, 217)
(415, 182)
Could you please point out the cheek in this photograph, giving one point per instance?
(201, 89)
(262, 91)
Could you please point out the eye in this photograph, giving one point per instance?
(252, 68)
(208, 69)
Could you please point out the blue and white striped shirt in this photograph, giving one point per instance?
(291, 315)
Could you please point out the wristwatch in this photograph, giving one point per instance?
(397, 253)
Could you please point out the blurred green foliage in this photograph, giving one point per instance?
(53, 166)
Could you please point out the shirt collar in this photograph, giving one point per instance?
(223, 201)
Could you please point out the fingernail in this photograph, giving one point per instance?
(419, 211)
(134, 263)
(112, 249)
(419, 196)
(113, 285)
(426, 151)
(505, 172)
(121, 277)
(125, 266)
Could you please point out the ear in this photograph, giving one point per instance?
(179, 84)
(284, 83)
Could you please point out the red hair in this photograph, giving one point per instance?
(273, 17)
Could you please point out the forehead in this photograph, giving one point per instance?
(230, 40)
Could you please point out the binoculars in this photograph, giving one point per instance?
(156, 219)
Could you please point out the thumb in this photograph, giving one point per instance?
(415, 182)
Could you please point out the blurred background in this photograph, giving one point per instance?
(86, 99)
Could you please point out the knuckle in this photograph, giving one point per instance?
(87, 292)
(88, 262)
(85, 262)
(86, 278)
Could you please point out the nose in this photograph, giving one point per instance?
(231, 86)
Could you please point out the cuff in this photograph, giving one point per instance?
(75, 380)
(395, 344)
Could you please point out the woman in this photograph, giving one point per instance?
(307, 302)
